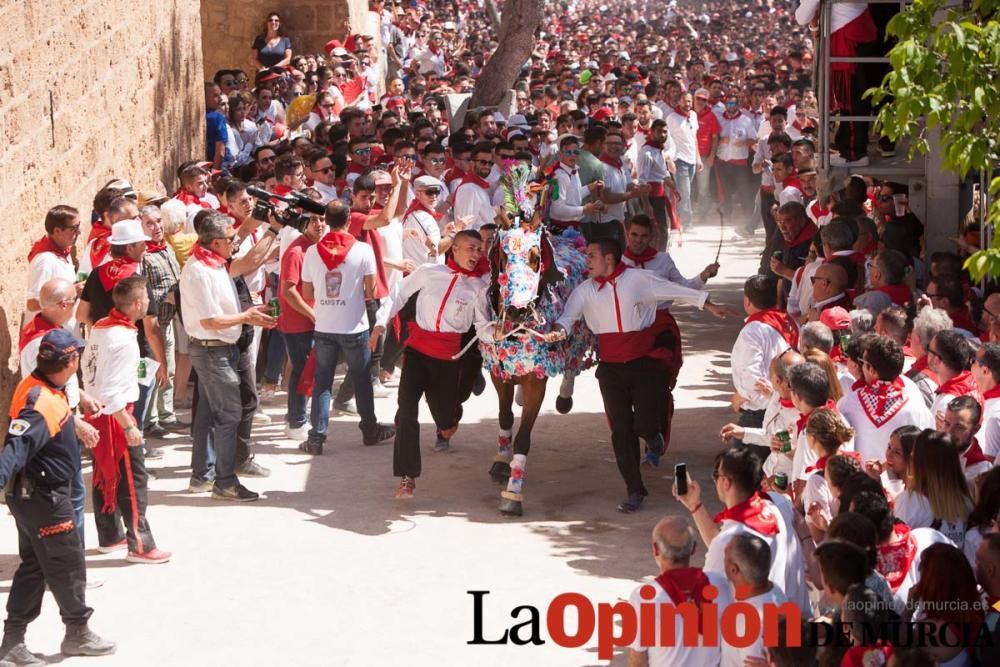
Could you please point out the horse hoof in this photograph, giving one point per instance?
(500, 472)
(564, 404)
(510, 503)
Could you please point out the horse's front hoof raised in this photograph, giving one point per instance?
(500, 472)
(564, 405)
(510, 503)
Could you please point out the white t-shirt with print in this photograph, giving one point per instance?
(340, 292)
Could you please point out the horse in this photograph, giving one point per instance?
(532, 275)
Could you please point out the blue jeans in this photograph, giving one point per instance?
(217, 415)
(357, 355)
(275, 357)
(683, 177)
(298, 346)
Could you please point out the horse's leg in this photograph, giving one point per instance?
(534, 393)
(564, 401)
(500, 470)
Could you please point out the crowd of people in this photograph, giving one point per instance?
(340, 214)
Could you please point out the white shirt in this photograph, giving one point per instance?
(474, 201)
(989, 434)
(914, 509)
(684, 132)
(256, 280)
(328, 193)
(662, 264)
(424, 231)
(651, 167)
(628, 305)
(738, 130)
(568, 206)
(673, 653)
(801, 294)
(44, 267)
(756, 346)
(733, 656)
(110, 365)
(208, 292)
(392, 249)
(818, 491)
(776, 419)
(617, 180)
(870, 440)
(340, 292)
(448, 301)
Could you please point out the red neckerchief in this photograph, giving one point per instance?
(805, 234)
(823, 460)
(800, 425)
(685, 584)
(152, 246)
(992, 393)
(837, 355)
(962, 384)
(46, 244)
(786, 403)
(601, 282)
(610, 161)
(921, 366)
(473, 178)
(899, 294)
(333, 248)
(654, 144)
(415, 205)
(355, 168)
(454, 174)
(188, 199)
(99, 245)
(640, 260)
(725, 114)
(117, 269)
(973, 454)
(864, 656)
(792, 182)
(895, 559)
(281, 189)
(754, 513)
(208, 257)
(961, 319)
(780, 322)
(882, 400)
(115, 318)
(36, 327)
(858, 384)
(482, 267)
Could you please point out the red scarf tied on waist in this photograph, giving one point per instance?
(99, 245)
(333, 248)
(640, 259)
(46, 244)
(207, 257)
(882, 400)
(686, 584)
(780, 321)
(116, 270)
(755, 513)
(37, 327)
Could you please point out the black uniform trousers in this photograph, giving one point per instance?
(51, 555)
(436, 379)
(470, 367)
(130, 506)
(634, 394)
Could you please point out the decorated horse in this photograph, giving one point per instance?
(533, 273)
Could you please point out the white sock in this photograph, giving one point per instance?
(566, 387)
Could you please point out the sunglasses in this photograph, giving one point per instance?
(362, 151)
(437, 161)
(432, 192)
(324, 170)
(406, 156)
(571, 151)
(483, 161)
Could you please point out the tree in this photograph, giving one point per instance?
(946, 77)
(519, 22)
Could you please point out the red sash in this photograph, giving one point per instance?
(755, 513)
(37, 327)
(45, 244)
(882, 400)
(436, 344)
(896, 558)
(115, 270)
(207, 257)
(333, 248)
(780, 322)
(686, 584)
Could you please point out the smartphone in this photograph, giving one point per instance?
(681, 478)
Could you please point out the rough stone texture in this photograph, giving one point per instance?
(89, 90)
(230, 27)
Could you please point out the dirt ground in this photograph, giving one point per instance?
(328, 569)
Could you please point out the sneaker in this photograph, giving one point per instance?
(346, 407)
(479, 385)
(887, 152)
(381, 433)
(251, 468)
(656, 445)
(298, 433)
(266, 393)
(261, 418)
(406, 487)
(80, 640)
(650, 459)
(153, 453)
(386, 377)
(155, 431)
(200, 485)
(19, 655)
(311, 447)
(154, 557)
(631, 504)
(238, 493)
(111, 548)
(442, 445)
(379, 390)
(176, 426)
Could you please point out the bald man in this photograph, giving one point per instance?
(673, 545)
(829, 289)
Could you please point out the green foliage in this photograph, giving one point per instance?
(945, 70)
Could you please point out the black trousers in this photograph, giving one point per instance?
(771, 233)
(753, 419)
(661, 218)
(634, 394)
(395, 344)
(436, 379)
(470, 367)
(130, 506)
(346, 391)
(51, 555)
(247, 371)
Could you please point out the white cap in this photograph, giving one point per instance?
(425, 182)
(125, 232)
(340, 52)
(624, 54)
(449, 25)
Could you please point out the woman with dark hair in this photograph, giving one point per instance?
(892, 472)
(937, 495)
(984, 516)
(271, 49)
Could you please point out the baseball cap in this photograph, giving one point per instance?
(125, 232)
(58, 345)
(836, 318)
(702, 93)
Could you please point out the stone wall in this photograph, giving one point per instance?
(230, 27)
(89, 90)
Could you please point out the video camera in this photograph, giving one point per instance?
(295, 216)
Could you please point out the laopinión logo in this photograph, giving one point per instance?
(738, 624)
